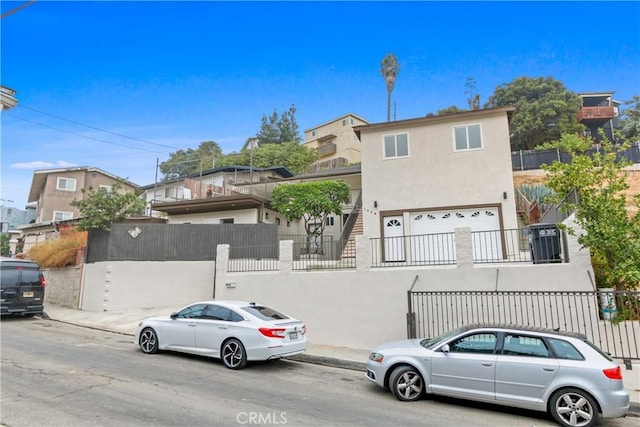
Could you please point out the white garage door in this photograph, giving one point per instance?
(431, 241)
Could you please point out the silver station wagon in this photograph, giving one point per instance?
(561, 373)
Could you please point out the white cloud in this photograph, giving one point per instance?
(38, 164)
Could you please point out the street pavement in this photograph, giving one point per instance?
(126, 321)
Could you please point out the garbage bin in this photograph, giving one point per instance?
(544, 241)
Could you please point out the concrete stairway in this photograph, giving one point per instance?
(349, 250)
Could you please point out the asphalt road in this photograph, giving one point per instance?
(54, 374)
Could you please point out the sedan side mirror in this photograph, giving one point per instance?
(445, 348)
(174, 315)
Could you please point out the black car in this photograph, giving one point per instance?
(23, 285)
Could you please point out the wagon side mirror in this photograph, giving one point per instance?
(445, 348)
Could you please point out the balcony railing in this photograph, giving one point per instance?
(596, 113)
(326, 149)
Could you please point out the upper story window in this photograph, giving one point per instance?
(62, 216)
(314, 132)
(106, 187)
(66, 184)
(467, 137)
(396, 145)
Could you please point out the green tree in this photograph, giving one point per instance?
(630, 119)
(610, 230)
(291, 155)
(310, 201)
(102, 207)
(448, 110)
(4, 245)
(389, 68)
(186, 162)
(545, 109)
(278, 130)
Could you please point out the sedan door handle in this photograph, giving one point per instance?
(548, 368)
(222, 327)
(192, 323)
(486, 363)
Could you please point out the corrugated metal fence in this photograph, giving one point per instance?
(180, 242)
(609, 319)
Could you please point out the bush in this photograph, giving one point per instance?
(59, 252)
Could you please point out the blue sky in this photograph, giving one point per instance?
(160, 76)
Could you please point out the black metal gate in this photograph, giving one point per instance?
(609, 319)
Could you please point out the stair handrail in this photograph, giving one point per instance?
(349, 223)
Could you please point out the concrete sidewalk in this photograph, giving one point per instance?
(126, 321)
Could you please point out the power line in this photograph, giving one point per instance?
(80, 135)
(98, 129)
(16, 9)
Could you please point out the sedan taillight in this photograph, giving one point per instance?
(613, 373)
(272, 332)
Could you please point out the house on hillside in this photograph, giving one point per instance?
(53, 190)
(431, 175)
(226, 194)
(598, 110)
(239, 195)
(335, 141)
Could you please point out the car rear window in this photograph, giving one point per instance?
(264, 313)
(596, 348)
(25, 274)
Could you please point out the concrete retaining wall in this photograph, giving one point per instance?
(63, 286)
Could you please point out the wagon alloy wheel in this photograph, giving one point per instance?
(574, 408)
(407, 383)
(149, 341)
(233, 354)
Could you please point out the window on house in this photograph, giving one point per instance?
(106, 187)
(170, 192)
(62, 216)
(396, 145)
(66, 184)
(314, 133)
(344, 122)
(329, 220)
(467, 137)
(226, 221)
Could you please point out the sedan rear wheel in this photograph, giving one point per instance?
(149, 341)
(406, 383)
(573, 408)
(233, 354)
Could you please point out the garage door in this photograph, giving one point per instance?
(431, 240)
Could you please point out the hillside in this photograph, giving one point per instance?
(539, 177)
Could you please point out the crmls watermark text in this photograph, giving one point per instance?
(261, 418)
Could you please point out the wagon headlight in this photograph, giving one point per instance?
(376, 357)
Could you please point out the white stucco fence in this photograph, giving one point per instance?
(359, 307)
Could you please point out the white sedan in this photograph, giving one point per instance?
(234, 331)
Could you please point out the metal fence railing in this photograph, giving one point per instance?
(533, 159)
(538, 243)
(254, 258)
(404, 251)
(610, 319)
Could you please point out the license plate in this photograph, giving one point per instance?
(27, 294)
(293, 335)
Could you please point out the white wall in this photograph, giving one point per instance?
(358, 308)
(129, 284)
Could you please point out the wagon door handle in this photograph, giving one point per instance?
(222, 327)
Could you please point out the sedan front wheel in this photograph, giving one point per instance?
(406, 383)
(149, 341)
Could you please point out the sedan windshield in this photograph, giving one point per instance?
(431, 343)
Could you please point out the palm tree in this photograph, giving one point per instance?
(389, 68)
